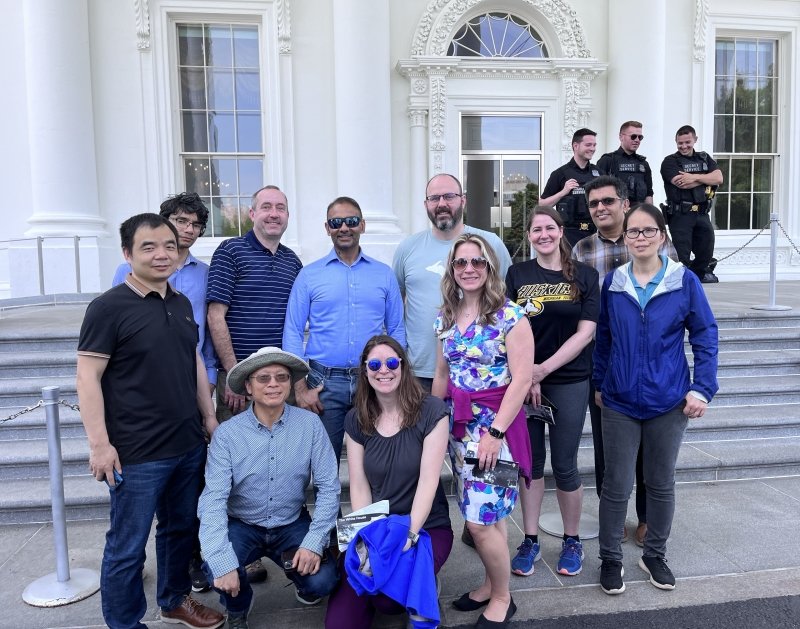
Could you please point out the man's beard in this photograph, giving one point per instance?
(447, 222)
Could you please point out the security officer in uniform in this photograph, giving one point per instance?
(691, 179)
(564, 188)
(627, 165)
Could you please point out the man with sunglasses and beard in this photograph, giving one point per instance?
(626, 164)
(347, 297)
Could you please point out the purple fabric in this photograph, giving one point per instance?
(519, 442)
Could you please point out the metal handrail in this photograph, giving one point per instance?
(40, 256)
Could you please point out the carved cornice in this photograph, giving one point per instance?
(468, 67)
(700, 25)
(284, 18)
(437, 26)
(142, 11)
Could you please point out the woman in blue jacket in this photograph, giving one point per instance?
(644, 387)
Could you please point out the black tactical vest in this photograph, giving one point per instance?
(631, 170)
(697, 163)
(572, 206)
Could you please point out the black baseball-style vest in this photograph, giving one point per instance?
(631, 170)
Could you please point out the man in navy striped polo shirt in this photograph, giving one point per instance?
(248, 288)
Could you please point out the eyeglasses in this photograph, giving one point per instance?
(392, 363)
(266, 378)
(606, 201)
(477, 263)
(183, 223)
(648, 232)
(634, 136)
(350, 221)
(447, 196)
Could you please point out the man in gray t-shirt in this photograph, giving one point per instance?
(419, 265)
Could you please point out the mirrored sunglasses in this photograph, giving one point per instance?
(392, 363)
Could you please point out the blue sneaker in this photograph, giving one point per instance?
(571, 560)
(527, 554)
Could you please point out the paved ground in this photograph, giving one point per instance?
(731, 541)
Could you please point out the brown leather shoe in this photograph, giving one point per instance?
(641, 533)
(194, 615)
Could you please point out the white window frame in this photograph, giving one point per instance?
(165, 173)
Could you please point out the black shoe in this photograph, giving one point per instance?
(256, 572)
(485, 623)
(237, 622)
(198, 577)
(306, 599)
(466, 537)
(709, 278)
(467, 604)
(611, 577)
(660, 574)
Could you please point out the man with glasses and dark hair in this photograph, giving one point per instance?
(691, 179)
(419, 266)
(605, 250)
(565, 187)
(626, 164)
(346, 298)
(189, 216)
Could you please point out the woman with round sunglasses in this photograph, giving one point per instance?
(485, 370)
(645, 388)
(396, 438)
(561, 298)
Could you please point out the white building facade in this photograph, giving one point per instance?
(112, 105)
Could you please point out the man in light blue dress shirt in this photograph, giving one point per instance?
(254, 502)
(346, 298)
(189, 215)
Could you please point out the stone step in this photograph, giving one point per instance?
(749, 339)
(763, 362)
(60, 341)
(26, 459)
(758, 319)
(42, 363)
(758, 389)
(28, 501)
(28, 391)
(33, 425)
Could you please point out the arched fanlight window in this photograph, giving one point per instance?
(497, 35)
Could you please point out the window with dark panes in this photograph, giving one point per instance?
(745, 130)
(222, 148)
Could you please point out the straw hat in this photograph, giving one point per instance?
(263, 357)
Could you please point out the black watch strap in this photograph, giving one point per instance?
(497, 434)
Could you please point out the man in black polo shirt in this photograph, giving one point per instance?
(143, 393)
(564, 188)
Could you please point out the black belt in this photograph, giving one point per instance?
(350, 372)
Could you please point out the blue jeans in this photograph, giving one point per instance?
(660, 439)
(338, 391)
(251, 542)
(168, 489)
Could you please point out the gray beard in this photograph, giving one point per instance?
(449, 223)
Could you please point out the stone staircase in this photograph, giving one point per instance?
(752, 429)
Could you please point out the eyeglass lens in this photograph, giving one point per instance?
(350, 221)
(392, 363)
(448, 196)
(649, 232)
(605, 201)
(266, 378)
(635, 136)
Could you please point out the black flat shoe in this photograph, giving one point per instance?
(484, 623)
(467, 604)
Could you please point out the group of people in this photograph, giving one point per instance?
(690, 177)
(452, 348)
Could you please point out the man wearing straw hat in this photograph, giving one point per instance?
(259, 465)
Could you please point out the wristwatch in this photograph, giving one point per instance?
(497, 434)
(414, 537)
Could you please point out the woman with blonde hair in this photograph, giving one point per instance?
(485, 370)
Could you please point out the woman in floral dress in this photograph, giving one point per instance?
(485, 369)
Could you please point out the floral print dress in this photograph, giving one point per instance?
(477, 360)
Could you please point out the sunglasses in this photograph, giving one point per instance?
(266, 378)
(392, 363)
(350, 221)
(477, 263)
(634, 136)
(605, 201)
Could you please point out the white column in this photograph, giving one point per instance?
(362, 66)
(419, 169)
(636, 70)
(60, 120)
